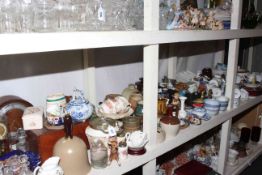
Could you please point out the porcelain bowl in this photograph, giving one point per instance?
(223, 101)
(212, 106)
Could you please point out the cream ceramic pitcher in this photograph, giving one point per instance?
(49, 167)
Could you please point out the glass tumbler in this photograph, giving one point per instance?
(64, 10)
(26, 16)
(9, 16)
(45, 18)
(80, 14)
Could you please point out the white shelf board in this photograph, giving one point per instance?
(183, 136)
(244, 162)
(17, 43)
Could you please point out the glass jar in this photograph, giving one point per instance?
(26, 15)
(45, 18)
(13, 141)
(64, 10)
(9, 16)
(80, 11)
(99, 154)
(21, 136)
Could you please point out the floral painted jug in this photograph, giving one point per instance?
(78, 107)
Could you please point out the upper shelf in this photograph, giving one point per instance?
(17, 43)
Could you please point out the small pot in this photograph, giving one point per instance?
(170, 125)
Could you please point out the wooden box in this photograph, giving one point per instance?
(43, 140)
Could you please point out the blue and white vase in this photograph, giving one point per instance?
(78, 107)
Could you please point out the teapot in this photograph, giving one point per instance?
(136, 139)
(49, 167)
(78, 107)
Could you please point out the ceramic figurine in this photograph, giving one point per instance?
(176, 103)
(78, 107)
(182, 112)
(113, 145)
(195, 16)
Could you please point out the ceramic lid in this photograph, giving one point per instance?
(170, 120)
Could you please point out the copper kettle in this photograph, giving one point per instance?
(72, 151)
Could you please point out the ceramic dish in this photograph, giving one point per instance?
(128, 112)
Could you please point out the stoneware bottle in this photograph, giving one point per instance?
(72, 151)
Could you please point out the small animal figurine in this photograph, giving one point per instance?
(113, 145)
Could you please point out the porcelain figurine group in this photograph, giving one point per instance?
(193, 18)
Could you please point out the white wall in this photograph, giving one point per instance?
(35, 89)
(34, 76)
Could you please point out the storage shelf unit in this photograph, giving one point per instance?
(43, 42)
(150, 38)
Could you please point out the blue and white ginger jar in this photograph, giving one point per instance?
(78, 107)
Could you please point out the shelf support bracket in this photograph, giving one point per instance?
(231, 75)
(89, 75)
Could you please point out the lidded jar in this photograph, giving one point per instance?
(78, 107)
(169, 123)
(131, 89)
(72, 151)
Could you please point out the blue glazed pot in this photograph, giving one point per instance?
(78, 107)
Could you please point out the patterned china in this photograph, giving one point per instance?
(78, 107)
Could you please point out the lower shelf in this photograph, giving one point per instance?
(244, 162)
(183, 136)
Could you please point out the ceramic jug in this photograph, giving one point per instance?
(78, 107)
(72, 150)
(49, 167)
(127, 92)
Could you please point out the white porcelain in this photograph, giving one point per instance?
(49, 167)
(55, 105)
(223, 100)
(136, 139)
(170, 130)
(182, 113)
(79, 107)
(212, 106)
(160, 136)
(259, 77)
(192, 87)
(244, 94)
(200, 112)
(33, 118)
(94, 134)
(216, 92)
(232, 156)
(252, 78)
(237, 95)
(213, 83)
(115, 108)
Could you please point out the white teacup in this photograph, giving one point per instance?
(136, 139)
(232, 156)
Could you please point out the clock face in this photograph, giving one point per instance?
(11, 111)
